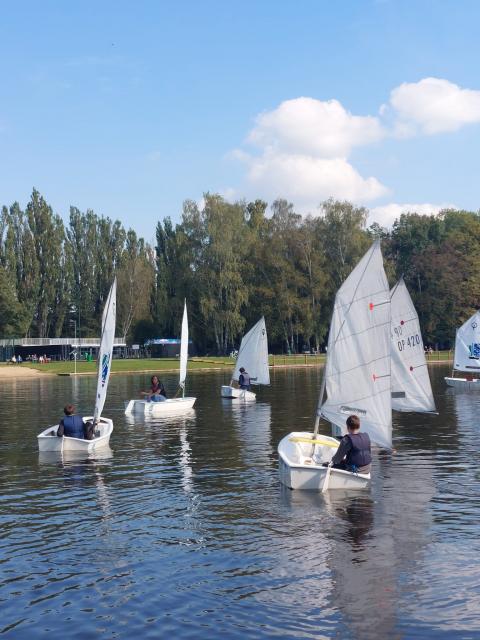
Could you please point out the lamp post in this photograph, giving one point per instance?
(74, 322)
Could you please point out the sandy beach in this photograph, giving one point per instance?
(20, 371)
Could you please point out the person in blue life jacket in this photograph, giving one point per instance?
(73, 426)
(244, 379)
(354, 452)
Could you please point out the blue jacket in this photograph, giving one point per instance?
(73, 427)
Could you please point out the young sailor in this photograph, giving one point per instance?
(72, 425)
(354, 452)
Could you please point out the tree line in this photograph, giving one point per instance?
(232, 262)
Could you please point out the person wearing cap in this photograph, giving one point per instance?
(354, 452)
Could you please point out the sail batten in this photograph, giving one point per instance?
(106, 349)
(411, 388)
(253, 354)
(357, 373)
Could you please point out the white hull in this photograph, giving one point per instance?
(169, 407)
(237, 394)
(464, 384)
(49, 442)
(301, 467)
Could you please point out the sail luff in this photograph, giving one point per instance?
(106, 349)
(184, 348)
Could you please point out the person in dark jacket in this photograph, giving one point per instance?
(244, 379)
(72, 425)
(157, 391)
(354, 451)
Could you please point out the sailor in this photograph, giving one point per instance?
(354, 451)
(72, 425)
(244, 379)
(157, 391)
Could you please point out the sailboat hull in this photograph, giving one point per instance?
(300, 464)
(232, 393)
(170, 407)
(49, 441)
(463, 384)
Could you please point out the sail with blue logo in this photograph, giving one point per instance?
(106, 350)
(467, 345)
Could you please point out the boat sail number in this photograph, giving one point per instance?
(411, 341)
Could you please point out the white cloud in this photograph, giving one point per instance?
(308, 180)
(386, 214)
(314, 127)
(433, 106)
(303, 147)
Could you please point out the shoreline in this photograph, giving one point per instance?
(19, 372)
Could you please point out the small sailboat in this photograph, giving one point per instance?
(171, 406)
(48, 439)
(253, 357)
(356, 379)
(467, 356)
(411, 388)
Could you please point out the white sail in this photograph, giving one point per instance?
(184, 348)
(411, 388)
(467, 345)
(357, 374)
(106, 349)
(253, 354)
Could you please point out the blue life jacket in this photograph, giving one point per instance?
(244, 380)
(360, 454)
(73, 427)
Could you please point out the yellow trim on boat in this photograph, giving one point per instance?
(326, 443)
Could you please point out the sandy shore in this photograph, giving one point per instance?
(19, 371)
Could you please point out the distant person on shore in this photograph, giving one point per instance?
(157, 391)
(354, 452)
(14, 359)
(73, 426)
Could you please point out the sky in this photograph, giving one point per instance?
(131, 108)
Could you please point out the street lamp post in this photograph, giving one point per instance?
(75, 345)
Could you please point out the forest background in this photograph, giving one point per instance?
(232, 262)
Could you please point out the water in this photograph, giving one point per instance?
(182, 528)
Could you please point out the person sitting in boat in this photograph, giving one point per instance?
(157, 391)
(72, 425)
(244, 379)
(354, 451)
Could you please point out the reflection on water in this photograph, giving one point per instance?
(182, 528)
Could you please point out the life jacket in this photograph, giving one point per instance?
(73, 427)
(359, 455)
(244, 379)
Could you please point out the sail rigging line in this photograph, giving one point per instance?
(324, 378)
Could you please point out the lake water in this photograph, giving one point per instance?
(183, 530)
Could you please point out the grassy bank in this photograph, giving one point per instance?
(172, 364)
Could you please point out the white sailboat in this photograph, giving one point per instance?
(253, 357)
(411, 388)
(47, 439)
(467, 355)
(171, 406)
(356, 379)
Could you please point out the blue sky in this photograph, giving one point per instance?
(130, 108)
